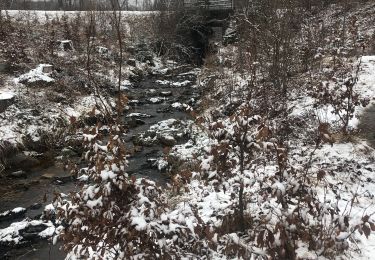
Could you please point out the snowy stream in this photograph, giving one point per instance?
(160, 98)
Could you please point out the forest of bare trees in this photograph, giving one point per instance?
(73, 5)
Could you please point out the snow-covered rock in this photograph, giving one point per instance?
(166, 93)
(25, 230)
(166, 132)
(181, 84)
(138, 115)
(11, 214)
(156, 100)
(36, 75)
(167, 140)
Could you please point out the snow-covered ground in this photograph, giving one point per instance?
(365, 87)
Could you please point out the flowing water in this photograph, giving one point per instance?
(42, 188)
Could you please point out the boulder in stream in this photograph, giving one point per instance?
(156, 100)
(134, 122)
(167, 140)
(166, 133)
(25, 231)
(12, 214)
(166, 93)
(138, 115)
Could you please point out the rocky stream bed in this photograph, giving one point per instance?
(158, 117)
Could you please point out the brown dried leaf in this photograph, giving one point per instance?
(366, 230)
(372, 225)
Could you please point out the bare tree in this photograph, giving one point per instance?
(116, 20)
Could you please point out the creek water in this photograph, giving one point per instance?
(138, 163)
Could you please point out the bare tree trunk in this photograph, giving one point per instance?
(60, 4)
(117, 20)
(240, 195)
(241, 204)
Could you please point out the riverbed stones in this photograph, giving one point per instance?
(156, 100)
(18, 174)
(12, 214)
(164, 110)
(165, 133)
(134, 102)
(31, 232)
(136, 74)
(166, 93)
(134, 122)
(152, 92)
(138, 115)
(167, 140)
(140, 140)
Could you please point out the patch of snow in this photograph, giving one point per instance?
(138, 115)
(181, 84)
(181, 106)
(156, 100)
(139, 222)
(163, 82)
(11, 234)
(6, 95)
(13, 211)
(35, 75)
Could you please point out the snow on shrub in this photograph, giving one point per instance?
(274, 207)
(118, 216)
